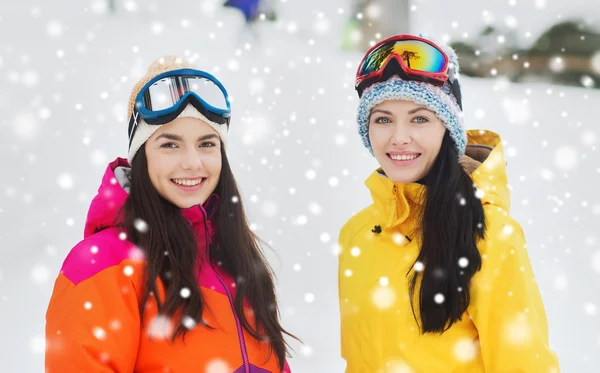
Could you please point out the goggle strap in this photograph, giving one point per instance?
(133, 125)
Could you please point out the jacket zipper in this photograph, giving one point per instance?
(238, 324)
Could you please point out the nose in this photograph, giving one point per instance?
(192, 160)
(401, 134)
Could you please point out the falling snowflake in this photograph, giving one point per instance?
(518, 331)
(115, 325)
(325, 237)
(55, 28)
(546, 174)
(383, 297)
(128, 270)
(160, 328)
(341, 139)
(25, 126)
(587, 81)
(315, 208)
(301, 220)
(99, 333)
(157, 27)
(517, 111)
(307, 351)
(99, 6)
(596, 261)
(218, 366)
(465, 350)
(588, 138)
(374, 11)
(185, 293)
(37, 345)
(398, 366)
(254, 128)
(511, 22)
(557, 64)
(590, 308)
(321, 25)
(269, 209)
(566, 158)
(596, 62)
(140, 225)
(560, 282)
(29, 78)
(419, 266)
(309, 297)
(40, 274)
(256, 85)
(233, 64)
(44, 113)
(439, 298)
(189, 322)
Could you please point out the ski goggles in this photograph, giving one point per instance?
(164, 97)
(417, 59)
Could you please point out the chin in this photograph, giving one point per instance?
(187, 202)
(402, 177)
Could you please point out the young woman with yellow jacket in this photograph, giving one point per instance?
(434, 276)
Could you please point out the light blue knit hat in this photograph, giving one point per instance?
(437, 99)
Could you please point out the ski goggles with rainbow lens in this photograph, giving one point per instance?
(164, 97)
(415, 59)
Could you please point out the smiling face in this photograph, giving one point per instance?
(406, 139)
(184, 161)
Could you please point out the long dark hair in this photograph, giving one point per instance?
(452, 222)
(170, 248)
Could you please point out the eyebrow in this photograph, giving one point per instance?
(390, 113)
(173, 137)
(418, 109)
(380, 111)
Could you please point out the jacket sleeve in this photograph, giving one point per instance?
(93, 325)
(506, 306)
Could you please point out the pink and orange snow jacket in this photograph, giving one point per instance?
(93, 322)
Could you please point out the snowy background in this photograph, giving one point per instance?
(66, 70)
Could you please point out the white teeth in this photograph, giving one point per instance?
(403, 157)
(187, 182)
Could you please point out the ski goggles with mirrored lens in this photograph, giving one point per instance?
(164, 97)
(416, 59)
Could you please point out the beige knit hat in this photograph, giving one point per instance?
(143, 130)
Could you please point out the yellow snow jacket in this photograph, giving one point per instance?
(504, 329)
